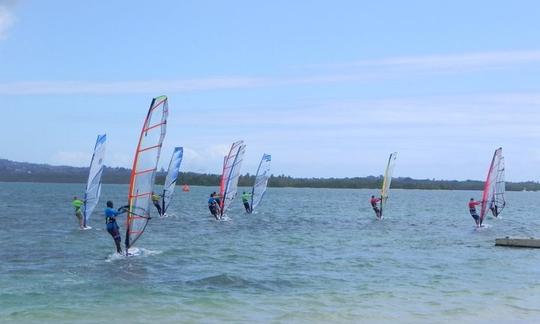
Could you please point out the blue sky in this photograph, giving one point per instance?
(329, 88)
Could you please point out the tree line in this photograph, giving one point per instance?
(11, 171)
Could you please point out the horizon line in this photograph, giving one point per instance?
(278, 175)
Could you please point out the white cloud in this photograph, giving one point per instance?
(127, 87)
(359, 71)
(7, 19)
(451, 61)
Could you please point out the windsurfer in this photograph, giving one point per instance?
(495, 209)
(112, 226)
(373, 201)
(213, 205)
(216, 197)
(77, 204)
(472, 210)
(156, 200)
(245, 200)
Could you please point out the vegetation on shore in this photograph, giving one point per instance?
(11, 171)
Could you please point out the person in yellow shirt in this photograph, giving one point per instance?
(156, 200)
(77, 204)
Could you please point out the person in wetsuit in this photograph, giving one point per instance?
(77, 204)
(373, 201)
(472, 210)
(156, 200)
(217, 198)
(245, 199)
(213, 206)
(112, 226)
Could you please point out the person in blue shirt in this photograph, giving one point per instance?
(213, 206)
(112, 226)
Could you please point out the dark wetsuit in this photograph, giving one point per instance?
(494, 209)
(112, 227)
(213, 206)
(373, 202)
(472, 210)
(156, 200)
(245, 200)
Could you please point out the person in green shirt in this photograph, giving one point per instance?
(156, 199)
(77, 204)
(245, 199)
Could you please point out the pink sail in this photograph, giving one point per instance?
(494, 188)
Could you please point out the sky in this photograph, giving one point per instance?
(329, 88)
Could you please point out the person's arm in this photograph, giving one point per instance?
(122, 210)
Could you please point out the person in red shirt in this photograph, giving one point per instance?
(373, 201)
(472, 210)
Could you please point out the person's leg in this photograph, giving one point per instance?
(115, 233)
(79, 216)
(158, 207)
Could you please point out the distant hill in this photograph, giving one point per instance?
(11, 171)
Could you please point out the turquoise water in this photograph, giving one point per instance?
(308, 255)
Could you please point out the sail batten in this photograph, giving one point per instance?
(494, 188)
(93, 186)
(387, 180)
(172, 176)
(261, 181)
(144, 169)
(229, 178)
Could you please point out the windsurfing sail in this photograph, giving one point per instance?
(494, 188)
(261, 181)
(143, 172)
(93, 186)
(387, 180)
(229, 178)
(172, 176)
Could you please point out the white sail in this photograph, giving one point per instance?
(494, 188)
(261, 181)
(144, 169)
(93, 186)
(172, 176)
(387, 179)
(229, 178)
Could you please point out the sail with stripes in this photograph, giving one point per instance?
(143, 172)
(172, 176)
(229, 178)
(261, 181)
(387, 180)
(494, 189)
(93, 186)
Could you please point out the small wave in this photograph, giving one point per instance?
(226, 281)
(133, 252)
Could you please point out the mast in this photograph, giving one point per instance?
(387, 179)
(171, 178)
(144, 169)
(261, 181)
(93, 185)
(494, 185)
(229, 179)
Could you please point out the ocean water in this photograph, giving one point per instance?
(306, 256)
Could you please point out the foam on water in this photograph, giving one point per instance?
(132, 252)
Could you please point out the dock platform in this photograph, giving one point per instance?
(518, 242)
